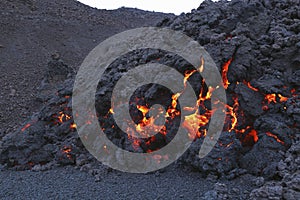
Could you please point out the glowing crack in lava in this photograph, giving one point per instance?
(61, 118)
(196, 123)
(67, 151)
(275, 137)
(224, 73)
(26, 127)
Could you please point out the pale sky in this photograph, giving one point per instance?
(166, 6)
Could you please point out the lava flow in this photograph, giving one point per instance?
(194, 122)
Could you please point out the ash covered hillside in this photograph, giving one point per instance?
(32, 30)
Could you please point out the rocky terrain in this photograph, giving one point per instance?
(256, 46)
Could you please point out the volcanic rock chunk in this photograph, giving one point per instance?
(269, 191)
(266, 149)
(47, 139)
(56, 73)
(249, 100)
(210, 195)
(57, 70)
(295, 78)
(276, 124)
(21, 148)
(293, 109)
(222, 191)
(269, 84)
(221, 160)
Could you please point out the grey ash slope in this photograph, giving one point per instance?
(31, 30)
(68, 183)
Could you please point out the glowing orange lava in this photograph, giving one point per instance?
(73, 126)
(232, 113)
(250, 86)
(271, 98)
(282, 98)
(194, 122)
(26, 127)
(67, 150)
(62, 117)
(275, 137)
(224, 73)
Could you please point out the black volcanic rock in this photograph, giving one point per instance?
(259, 38)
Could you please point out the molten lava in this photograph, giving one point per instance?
(224, 73)
(275, 137)
(67, 151)
(26, 127)
(198, 116)
(232, 113)
(251, 138)
(282, 98)
(273, 98)
(29, 124)
(73, 126)
(63, 117)
(250, 86)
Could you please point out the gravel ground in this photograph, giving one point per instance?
(69, 183)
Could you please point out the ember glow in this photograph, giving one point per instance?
(282, 98)
(147, 125)
(67, 151)
(63, 117)
(26, 127)
(29, 124)
(275, 97)
(271, 98)
(249, 86)
(73, 126)
(232, 113)
(195, 122)
(253, 134)
(275, 137)
(224, 73)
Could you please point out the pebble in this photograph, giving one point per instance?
(210, 195)
(221, 188)
(270, 191)
(281, 165)
(259, 181)
(276, 47)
